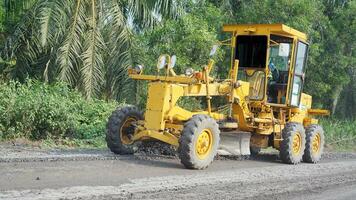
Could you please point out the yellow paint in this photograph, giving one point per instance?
(175, 79)
(157, 105)
(162, 136)
(264, 29)
(318, 112)
(296, 143)
(125, 139)
(177, 127)
(316, 143)
(248, 109)
(203, 144)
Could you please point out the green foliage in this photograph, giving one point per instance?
(340, 135)
(331, 29)
(85, 43)
(89, 45)
(344, 20)
(39, 111)
(304, 15)
(190, 38)
(11, 11)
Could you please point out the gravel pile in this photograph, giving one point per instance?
(156, 148)
(24, 153)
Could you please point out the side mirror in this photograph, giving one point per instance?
(213, 50)
(173, 61)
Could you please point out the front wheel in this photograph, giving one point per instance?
(199, 142)
(293, 143)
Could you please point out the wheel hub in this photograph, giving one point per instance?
(204, 143)
(316, 143)
(297, 143)
(127, 130)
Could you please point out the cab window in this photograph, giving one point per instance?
(300, 64)
(280, 52)
(251, 51)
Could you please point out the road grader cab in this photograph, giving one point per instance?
(265, 103)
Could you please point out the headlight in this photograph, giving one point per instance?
(189, 71)
(138, 69)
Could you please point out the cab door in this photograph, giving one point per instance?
(298, 74)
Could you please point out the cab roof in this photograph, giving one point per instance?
(264, 29)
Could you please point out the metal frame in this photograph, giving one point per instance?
(164, 119)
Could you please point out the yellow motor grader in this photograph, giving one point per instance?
(265, 106)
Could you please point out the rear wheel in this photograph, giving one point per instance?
(314, 146)
(293, 143)
(199, 142)
(120, 129)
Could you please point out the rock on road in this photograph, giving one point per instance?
(106, 176)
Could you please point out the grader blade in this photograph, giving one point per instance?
(234, 143)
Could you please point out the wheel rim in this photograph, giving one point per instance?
(297, 143)
(204, 143)
(316, 143)
(127, 131)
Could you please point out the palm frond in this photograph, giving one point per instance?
(52, 16)
(70, 50)
(22, 47)
(91, 71)
(171, 8)
(118, 56)
(86, 43)
(148, 13)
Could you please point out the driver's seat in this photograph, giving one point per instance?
(257, 83)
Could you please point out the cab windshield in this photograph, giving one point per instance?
(279, 62)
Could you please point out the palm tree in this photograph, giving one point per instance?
(86, 43)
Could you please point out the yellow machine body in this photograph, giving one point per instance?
(250, 109)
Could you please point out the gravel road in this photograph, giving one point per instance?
(28, 173)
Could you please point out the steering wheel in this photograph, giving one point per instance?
(275, 72)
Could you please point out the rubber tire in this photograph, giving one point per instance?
(190, 133)
(310, 132)
(115, 122)
(255, 151)
(286, 146)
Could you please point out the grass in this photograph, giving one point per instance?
(340, 134)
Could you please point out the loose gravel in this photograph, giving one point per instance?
(266, 182)
(146, 151)
(271, 182)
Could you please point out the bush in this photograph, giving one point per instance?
(39, 111)
(340, 134)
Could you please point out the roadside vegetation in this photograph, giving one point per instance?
(63, 63)
(53, 114)
(340, 134)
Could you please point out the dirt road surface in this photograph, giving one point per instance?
(98, 174)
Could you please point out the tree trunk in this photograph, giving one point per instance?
(337, 93)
